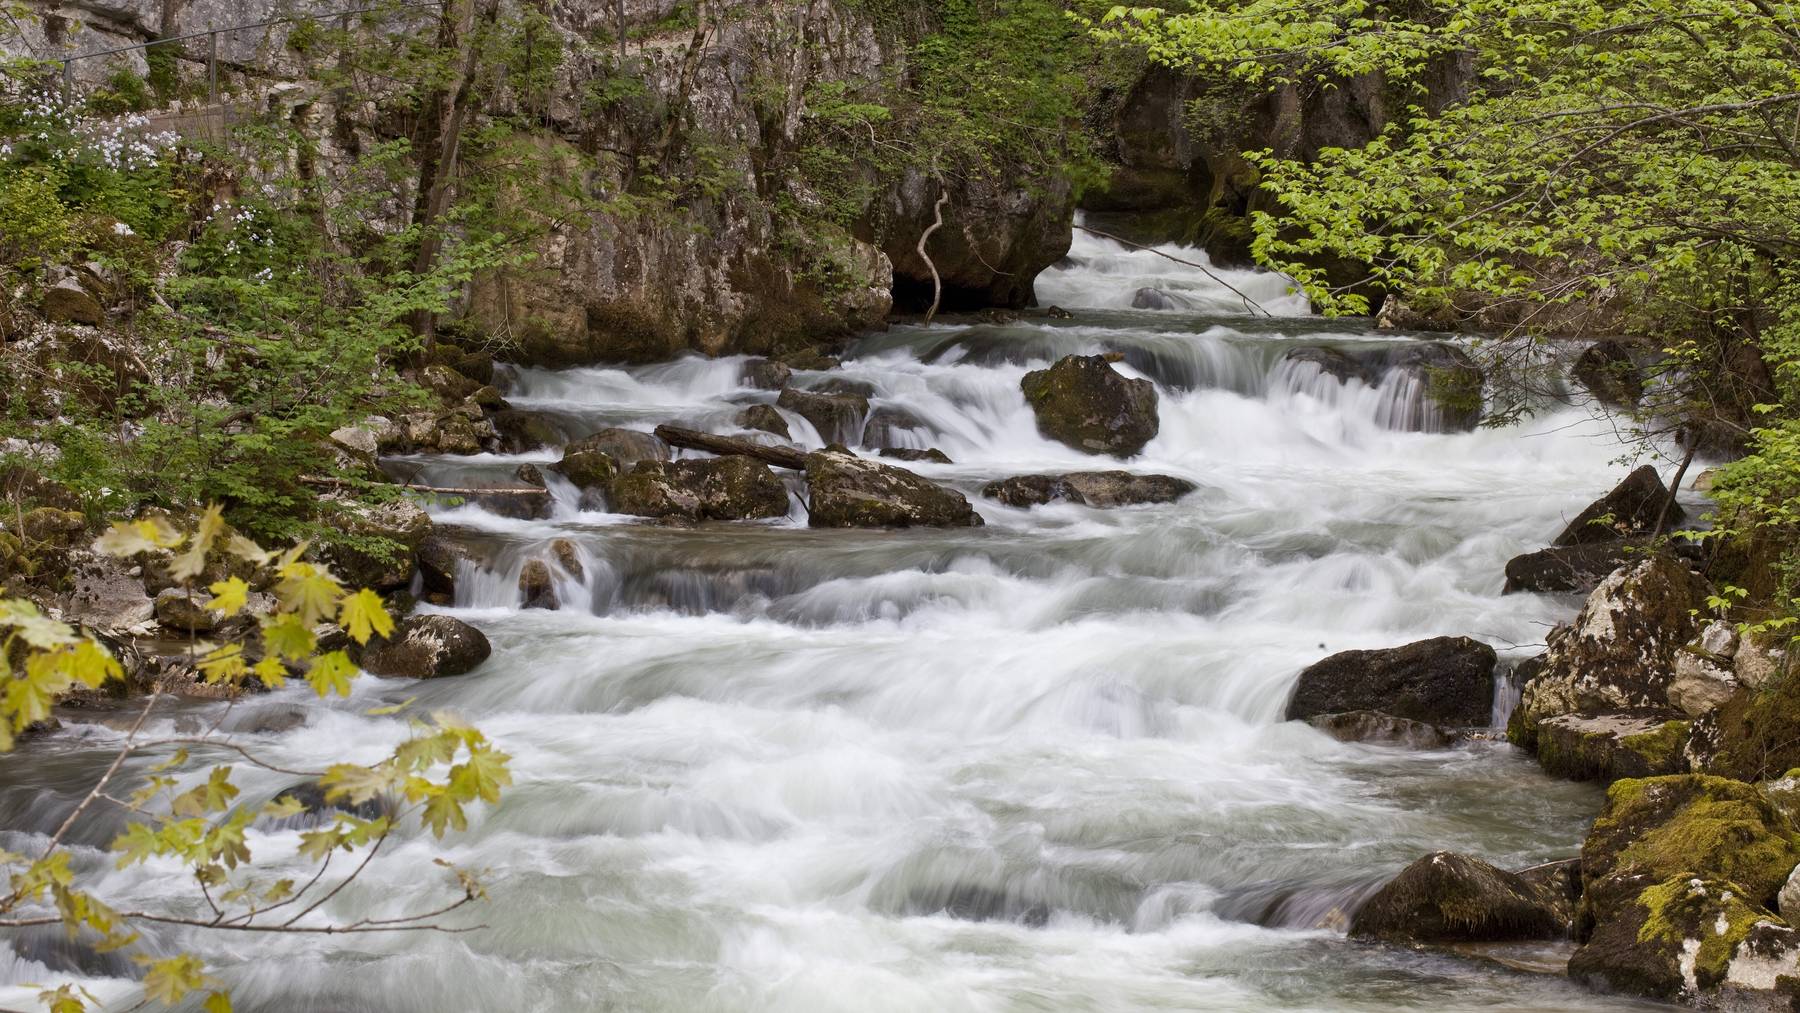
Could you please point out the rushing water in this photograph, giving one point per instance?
(1035, 766)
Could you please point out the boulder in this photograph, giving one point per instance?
(568, 558)
(425, 647)
(1089, 488)
(67, 302)
(1702, 681)
(1000, 230)
(1443, 681)
(587, 468)
(765, 374)
(1610, 373)
(719, 488)
(440, 558)
(1381, 729)
(108, 594)
(1619, 654)
(1608, 747)
(1680, 875)
(183, 611)
(1450, 898)
(886, 426)
(853, 492)
(842, 385)
(447, 383)
(524, 431)
(905, 454)
(1451, 383)
(764, 418)
(1082, 402)
(1153, 299)
(537, 589)
(625, 446)
(1630, 510)
(401, 524)
(50, 527)
(1758, 660)
(1752, 735)
(1568, 567)
(1335, 363)
(810, 357)
(837, 417)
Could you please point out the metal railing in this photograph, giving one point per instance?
(212, 43)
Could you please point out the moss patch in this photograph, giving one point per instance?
(1711, 911)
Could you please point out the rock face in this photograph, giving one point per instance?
(838, 417)
(1629, 510)
(1608, 747)
(997, 236)
(1089, 488)
(719, 488)
(1083, 403)
(1445, 681)
(1568, 567)
(854, 492)
(106, 596)
(1451, 898)
(1610, 373)
(425, 647)
(1680, 877)
(1619, 654)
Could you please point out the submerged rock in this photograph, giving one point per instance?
(1568, 567)
(1089, 488)
(1447, 897)
(764, 418)
(1630, 510)
(1610, 373)
(1334, 362)
(537, 589)
(1452, 385)
(1381, 729)
(425, 647)
(718, 488)
(1082, 402)
(906, 454)
(886, 424)
(837, 417)
(765, 374)
(1445, 680)
(853, 492)
(439, 559)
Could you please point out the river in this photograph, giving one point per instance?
(1034, 766)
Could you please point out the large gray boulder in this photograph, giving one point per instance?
(1084, 403)
(1630, 510)
(854, 492)
(1568, 567)
(425, 647)
(1442, 681)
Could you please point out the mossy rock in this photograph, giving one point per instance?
(1752, 736)
(1447, 897)
(723, 489)
(50, 526)
(847, 491)
(1609, 747)
(1082, 402)
(587, 468)
(1685, 936)
(1656, 829)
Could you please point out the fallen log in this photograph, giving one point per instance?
(693, 439)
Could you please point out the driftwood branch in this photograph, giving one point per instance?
(693, 439)
(1250, 304)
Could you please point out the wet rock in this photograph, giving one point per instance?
(853, 492)
(888, 425)
(810, 358)
(425, 647)
(842, 385)
(1000, 230)
(1377, 728)
(907, 454)
(1153, 299)
(440, 558)
(319, 809)
(1559, 884)
(1444, 681)
(1630, 510)
(1082, 402)
(1608, 747)
(537, 589)
(447, 383)
(1452, 384)
(523, 431)
(1690, 938)
(625, 446)
(568, 557)
(67, 302)
(766, 374)
(1334, 362)
(108, 595)
(764, 418)
(526, 498)
(400, 525)
(1568, 567)
(837, 417)
(720, 488)
(1610, 373)
(1447, 897)
(1619, 654)
(587, 468)
(1089, 488)
(185, 611)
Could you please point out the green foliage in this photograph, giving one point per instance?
(198, 820)
(1644, 152)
